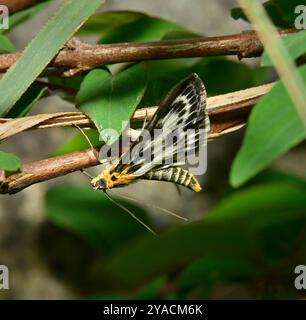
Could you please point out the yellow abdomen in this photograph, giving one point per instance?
(175, 174)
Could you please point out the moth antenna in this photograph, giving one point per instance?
(84, 134)
(129, 212)
(86, 173)
(153, 206)
(89, 142)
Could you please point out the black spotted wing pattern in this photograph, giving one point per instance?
(181, 115)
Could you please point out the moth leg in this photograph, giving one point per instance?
(95, 152)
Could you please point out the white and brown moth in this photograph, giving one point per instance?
(184, 108)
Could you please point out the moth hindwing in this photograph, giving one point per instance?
(178, 127)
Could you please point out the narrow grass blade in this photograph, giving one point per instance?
(43, 48)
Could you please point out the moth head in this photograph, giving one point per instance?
(99, 183)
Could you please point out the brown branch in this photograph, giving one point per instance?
(46, 169)
(227, 112)
(77, 56)
(16, 5)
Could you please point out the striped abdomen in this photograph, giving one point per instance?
(176, 175)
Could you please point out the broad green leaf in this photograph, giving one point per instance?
(273, 128)
(147, 258)
(280, 11)
(165, 74)
(66, 87)
(262, 205)
(216, 71)
(295, 44)
(275, 176)
(78, 142)
(42, 49)
(27, 101)
(106, 21)
(110, 100)
(143, 29)
(5, 44)
(129, 26)
(9, 162)
(67, 83)
(93, 216)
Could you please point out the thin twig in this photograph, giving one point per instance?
(227, 113)
(77, 56)
(16, 5)
(46, 169)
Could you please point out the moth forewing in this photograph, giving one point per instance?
(151, 156)
(159, 156)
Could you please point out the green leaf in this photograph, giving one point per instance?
(9, 162)
(147, 258)
(27, 101)
(107, 21)
(5, 44)
(143, 29)
(295, 44)
(262, 205)
(280, 11)
(66, 87)
(68, 83)
(109, 100)
(129, 26)
(275, 176)
(274, 127)
(78, 142)
(91, 215)
(163, 75)
(241, 75)
(42, 49)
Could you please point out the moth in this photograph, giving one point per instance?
(183, 111)
(183, 108)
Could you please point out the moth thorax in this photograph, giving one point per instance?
(109, 179)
